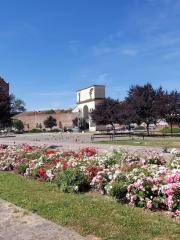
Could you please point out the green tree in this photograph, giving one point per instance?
(60, 124)
(17, 104)
(18, 124)
(40, 125)
(37, 125)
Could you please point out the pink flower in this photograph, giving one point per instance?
(177, 212)
(135, 197)
(159, 179)
(149, 204)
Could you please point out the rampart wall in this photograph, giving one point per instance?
(36, 117)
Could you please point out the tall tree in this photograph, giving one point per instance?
(126, 115)
(5, 108)
(17, 105)
(75, 122)
(50, 122)
(143, 104)
(18, 124)
(171, 108)
(106, 112)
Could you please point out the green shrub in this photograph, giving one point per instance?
(73, 181)
(140, 128)
(9, 129)
(168, 130)
(69, 130)
(35, 131)
(18, 124)
(18, 132)
(118, 190)
(49, 112)
(54, 130)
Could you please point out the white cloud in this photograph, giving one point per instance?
(100, 50)
(131, 52)
(120, 34)
(174, 54)
(102, 78)
(55, 94)
(73, 45)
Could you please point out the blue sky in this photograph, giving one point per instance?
(51, 48)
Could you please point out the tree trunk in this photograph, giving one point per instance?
(147, 128)
(171, 130)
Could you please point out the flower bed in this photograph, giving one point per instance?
(144, 181)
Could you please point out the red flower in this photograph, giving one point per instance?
(39, 179)
(92, 170)
(41, 172)
(64, 163)
(45, 175)
(29, 148)
(50, 152)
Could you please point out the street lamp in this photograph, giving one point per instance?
(118, 92)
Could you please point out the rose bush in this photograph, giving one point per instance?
(144, 181)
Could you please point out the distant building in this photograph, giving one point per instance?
(87, 99)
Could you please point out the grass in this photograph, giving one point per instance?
(166, 142)
(86, 213)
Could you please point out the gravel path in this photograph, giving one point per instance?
(74, 141)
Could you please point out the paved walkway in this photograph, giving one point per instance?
(74, 141)
(18, 224)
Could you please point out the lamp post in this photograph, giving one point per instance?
(118, 92)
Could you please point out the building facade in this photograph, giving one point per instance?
(87, 99)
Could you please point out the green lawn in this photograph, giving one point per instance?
(166, 142)
(86, 213)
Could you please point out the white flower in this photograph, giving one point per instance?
(49, 174)
(59, 165)
(82, 168)
(39, 164)
(76, 188)
(174, 151)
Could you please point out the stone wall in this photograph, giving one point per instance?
(34, 117)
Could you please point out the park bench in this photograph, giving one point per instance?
(158, 133)
(102, 135)
(114, 135)
(111, 135)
